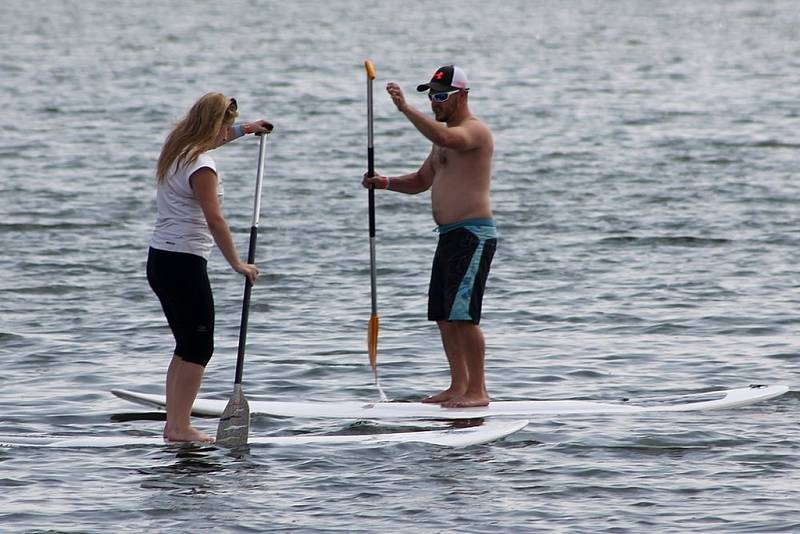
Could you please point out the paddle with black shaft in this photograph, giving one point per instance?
(234, 423)
(372, 330)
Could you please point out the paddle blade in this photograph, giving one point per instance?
(370, 69)
(234, 423)
(372, 343)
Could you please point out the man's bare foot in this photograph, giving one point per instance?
(467, 401)
(444, 396)
(187, 434)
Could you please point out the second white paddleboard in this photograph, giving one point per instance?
(451, 437)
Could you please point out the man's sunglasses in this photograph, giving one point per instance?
(442, 96)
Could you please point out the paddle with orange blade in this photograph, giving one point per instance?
(372, 330)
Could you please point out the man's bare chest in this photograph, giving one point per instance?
(441, 156)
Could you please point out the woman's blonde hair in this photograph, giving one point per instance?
(196, 132)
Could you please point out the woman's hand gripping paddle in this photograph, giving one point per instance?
(372, 330)
(234, 423)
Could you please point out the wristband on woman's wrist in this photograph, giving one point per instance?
(387, 183)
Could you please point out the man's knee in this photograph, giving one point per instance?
(458, 326)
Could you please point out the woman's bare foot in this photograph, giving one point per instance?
(444, 396)
(187, 434)
(467, 401)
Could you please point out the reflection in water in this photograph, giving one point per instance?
(138, 416)
(196, 468)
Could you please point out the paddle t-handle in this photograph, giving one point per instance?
(370, 69)
(270, 127)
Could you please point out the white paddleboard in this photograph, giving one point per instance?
(715, 400)
(451, 437)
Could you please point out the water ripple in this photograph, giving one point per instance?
(645, 192)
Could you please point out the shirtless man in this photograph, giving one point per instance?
(458, 173)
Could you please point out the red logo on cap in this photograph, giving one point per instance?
(439, 75)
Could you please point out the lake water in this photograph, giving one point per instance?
(646, 193)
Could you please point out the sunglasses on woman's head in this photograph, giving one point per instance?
(441, 96)
(232, 105)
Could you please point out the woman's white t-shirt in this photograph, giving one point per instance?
(180, 223)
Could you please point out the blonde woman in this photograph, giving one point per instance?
(189, 221)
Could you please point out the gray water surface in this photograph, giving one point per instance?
(645, 192)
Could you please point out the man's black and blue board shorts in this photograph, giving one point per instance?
(460, 269)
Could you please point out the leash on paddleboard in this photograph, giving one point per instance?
(234, 423)
(372, 330)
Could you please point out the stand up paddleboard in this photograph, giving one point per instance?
(452, 437)
(714, 400)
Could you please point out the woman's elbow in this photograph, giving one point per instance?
(216, 222)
